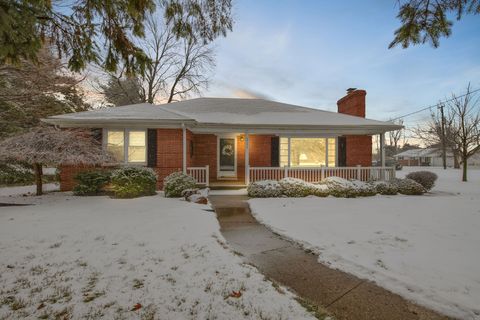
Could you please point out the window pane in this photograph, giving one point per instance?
(136, 147)
(308, 152)
(115, 144)
(332, 155)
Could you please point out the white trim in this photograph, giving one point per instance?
(247, 158)
(184, 149)
(289, 158)
(326, 152)
(227, 174)
(382, 149)
(126, 138)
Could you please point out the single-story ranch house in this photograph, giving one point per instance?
(231, 142)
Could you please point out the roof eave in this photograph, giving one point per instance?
(104, 123)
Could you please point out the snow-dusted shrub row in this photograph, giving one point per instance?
(90, 183)
(425, 178)
(409, 187)
(265, 189)
(385, 188)
(132, 182)
(175, 183)
(334, 186)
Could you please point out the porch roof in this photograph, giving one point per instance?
(223, 114)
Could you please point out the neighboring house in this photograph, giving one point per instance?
(431, 157)
(233, 141)
(424, 157)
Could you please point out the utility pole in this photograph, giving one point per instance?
(444, 146)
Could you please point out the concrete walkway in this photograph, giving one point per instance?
(341, 294)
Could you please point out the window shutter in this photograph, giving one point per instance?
(97, 134)
(275, 149)
(342, 151)
(152, 147)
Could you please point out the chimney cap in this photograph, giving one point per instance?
(349, 90)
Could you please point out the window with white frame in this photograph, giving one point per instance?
(307, 152)
(127, 145)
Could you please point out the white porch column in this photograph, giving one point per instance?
(247, 159)
(382, 149)
(184, 148)
(382, 156)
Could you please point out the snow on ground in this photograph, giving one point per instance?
(11, 191)
(87, 257)
(426, 248)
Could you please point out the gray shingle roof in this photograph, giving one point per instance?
(205, 112)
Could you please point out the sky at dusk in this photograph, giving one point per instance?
(309, 52)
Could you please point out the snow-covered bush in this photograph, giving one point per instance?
(425, 178)
(386, 188)
(15, 174)
(296, 188)
(264, 189)
(320, 190)
(340, 188)
(132, 182)
(175, 183)
(91, 182)
(409, 187)
(364, 189)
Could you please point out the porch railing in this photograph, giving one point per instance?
(317, 174)
(200, 174)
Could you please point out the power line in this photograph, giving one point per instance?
(435, 105)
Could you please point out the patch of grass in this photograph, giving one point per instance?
(137, 283)
(312, 308)
(88, 292)
(90, 296)
(37, 270)
(64, 313)
(55, 245)
(81, 263)
(17, 304)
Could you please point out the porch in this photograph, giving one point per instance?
(233, 160)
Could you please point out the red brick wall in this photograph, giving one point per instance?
(170, 152)
(67, 176)
(205, 152)
(169, 155)
(260, 151)
(359, 148)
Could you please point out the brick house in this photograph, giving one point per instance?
(232, 142)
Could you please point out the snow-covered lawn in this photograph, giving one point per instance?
(80, 258)
(426, 248)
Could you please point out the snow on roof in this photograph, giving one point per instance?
(225, 111)
(426, 152)
(133, 111)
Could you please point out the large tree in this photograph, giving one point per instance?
(120, 91)
(102, 31)
(176, 67)
(49, 146)
(31, 91)
(461, 133)
(428, 20)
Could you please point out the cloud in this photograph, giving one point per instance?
(248, 94)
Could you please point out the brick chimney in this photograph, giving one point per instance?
(354, 150)
(353, 103)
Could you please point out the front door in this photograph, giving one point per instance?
(227, 157)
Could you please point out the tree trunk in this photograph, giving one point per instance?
(456, 163)
(38, 178)
(465, 165)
